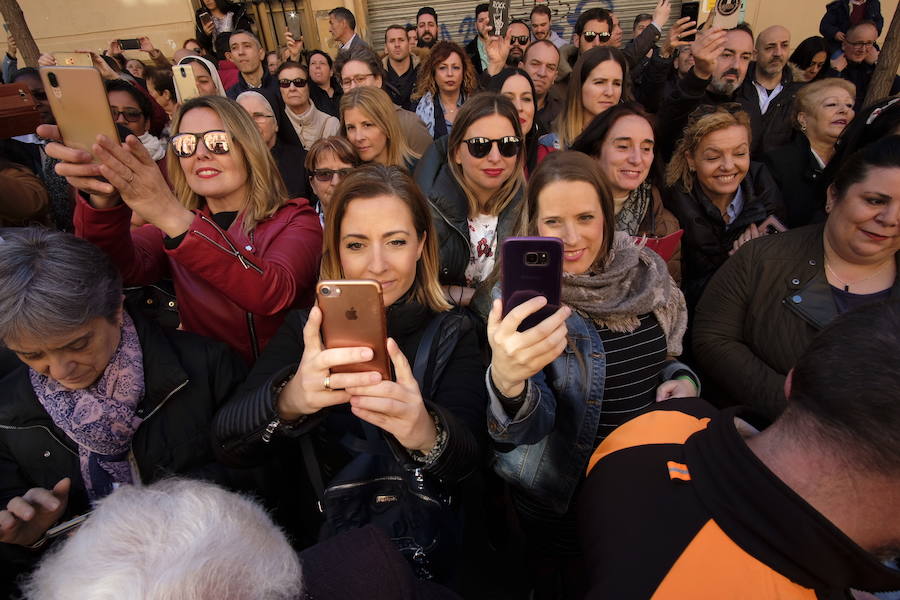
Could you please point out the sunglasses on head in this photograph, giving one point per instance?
(185, 144)
(479, 147)
(286, 83)
(326, 175)
(521, 40)
(132, 115)
(590, 35)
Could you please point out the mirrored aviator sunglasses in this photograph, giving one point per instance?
(590, 35)
(479, 147)
(185, 144)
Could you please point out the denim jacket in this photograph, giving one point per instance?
(552, 435)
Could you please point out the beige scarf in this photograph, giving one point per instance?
(629, 282)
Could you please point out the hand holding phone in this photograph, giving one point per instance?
(691, 11)
(28, 517)
(498, 13)
(727, 14)
(130, 44)
(530, 267)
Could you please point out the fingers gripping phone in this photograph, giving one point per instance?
(130, 44)
(73, 59)
(293, 25)
(205, 19)
(727, 14)
(353, 316)
(530, 267)
(185, 82)
(692, 10)
(79, 104)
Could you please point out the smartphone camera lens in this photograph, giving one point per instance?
(531, 258)
(51, 77)
(326, 291)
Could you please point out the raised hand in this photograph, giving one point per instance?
(661, 12)
(682, 28)
(516, 355)
(11, 47)
(706, 49)
(27, 517)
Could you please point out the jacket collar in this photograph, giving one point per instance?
(768, 519)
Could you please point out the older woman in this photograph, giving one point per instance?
(239, 252)
(328, 162)
(766, 304)
(369, 121)
(822, 109)
(622, 142)
(379, 228)
(309, 122)
(718, 195)
(474, 182)
(102, 396)
(557, 389)
(446, 79)
(324, 90)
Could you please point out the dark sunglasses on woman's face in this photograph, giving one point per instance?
(185, 144)
(286, 83)
(521, 40)
(132, 115)
(479, 147)
(590, 35)
(326, 175)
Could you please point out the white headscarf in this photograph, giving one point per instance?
(214, 73)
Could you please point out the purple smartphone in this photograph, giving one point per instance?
(531, 266)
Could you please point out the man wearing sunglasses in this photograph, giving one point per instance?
(519, 39)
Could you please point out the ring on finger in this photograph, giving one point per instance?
(326, 383)
(132, 177)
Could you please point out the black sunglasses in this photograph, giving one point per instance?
(185, 144)
(132, 115)
(521, 40)
(479, 147)
(326, 175)
(286, 83)
(590, 35)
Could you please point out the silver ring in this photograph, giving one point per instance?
(327, 383)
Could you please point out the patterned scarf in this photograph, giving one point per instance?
(629, 282)
(100, 418)
(634, 209)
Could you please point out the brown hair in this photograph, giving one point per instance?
(704, 120)
(339, 146)
(568, 166)
(267, 193)
(370, 181)
(439, 53)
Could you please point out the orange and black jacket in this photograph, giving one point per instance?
(676, 506)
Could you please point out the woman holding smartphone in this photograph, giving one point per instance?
(219, 16)
(474, 181)
(379, 228)
(239, 252)
(557, 390)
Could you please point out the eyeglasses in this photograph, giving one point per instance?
(357, 79)
(132, 115)
(185, 144)
(590, 35)
(859, 45)
(521, 40)
(286, 83)
(326, 175)
(479, 147)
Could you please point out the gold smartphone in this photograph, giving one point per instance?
(185, 82)
(73, 59)
(79, 104)
(352, 316)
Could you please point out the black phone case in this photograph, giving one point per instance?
(692, 10)
(522, 281)
(498, 12)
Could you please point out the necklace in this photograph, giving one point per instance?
(847, 284)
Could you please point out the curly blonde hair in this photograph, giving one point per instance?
(704, 120)
(441, 52)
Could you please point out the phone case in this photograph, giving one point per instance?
(185, 82)
(499, 16)
(293, 25)
(130, 44)
(530, 267)
(73, 59)
(692, 10)
(353, 315)
(79, 104)
(728, 14)
(205, 18)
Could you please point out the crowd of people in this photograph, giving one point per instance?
(727, 201)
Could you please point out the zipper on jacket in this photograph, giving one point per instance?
(131, 458)
(254, 342)
(56, 439)
(232, 250)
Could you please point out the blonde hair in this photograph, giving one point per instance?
(804, 101)
(375, 103)
(370, 181)
(438, 54)
(477, 107)
(267, 192)
(704, 120)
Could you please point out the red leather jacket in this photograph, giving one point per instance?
(230, 286)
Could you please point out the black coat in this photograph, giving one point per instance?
(796, 171)
(449, 211)
(774, 128)
(472, 51)
(707, 241)
(291, 161)
(329, 105)
(837, 18)
(187, 377)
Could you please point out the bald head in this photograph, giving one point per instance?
(859, 41)
(773, 46)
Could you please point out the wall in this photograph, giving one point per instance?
(801, 17)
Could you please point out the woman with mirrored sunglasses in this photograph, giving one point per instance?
(309, 122)
(239, 252)
(328, 162)
(474, 181)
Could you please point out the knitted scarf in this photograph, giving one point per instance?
(630, 281)
(634, 209)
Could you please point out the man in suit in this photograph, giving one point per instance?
(342, 26)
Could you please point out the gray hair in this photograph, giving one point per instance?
(53, 283)
(175, 539)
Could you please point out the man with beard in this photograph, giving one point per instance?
(721, 60)
(427, 27)
(768, 90)
(541, 29)
(477, 48)
(519, 38)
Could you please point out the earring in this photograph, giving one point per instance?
(803, 128)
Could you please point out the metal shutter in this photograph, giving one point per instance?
(457, 19)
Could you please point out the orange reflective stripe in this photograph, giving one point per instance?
(657, 427)
(678, 471)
